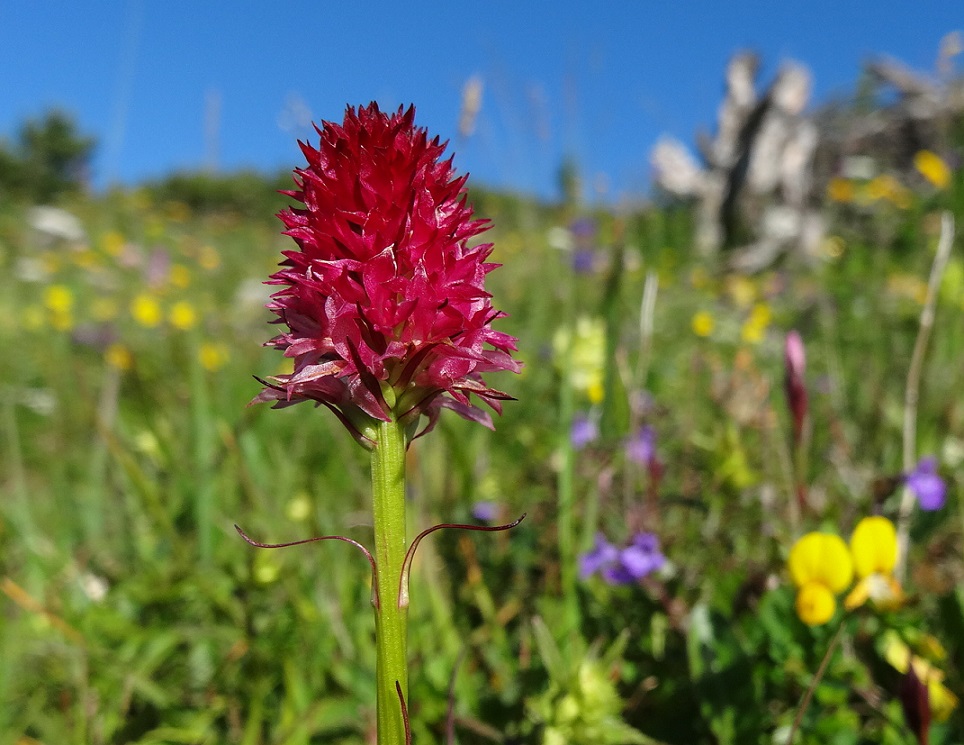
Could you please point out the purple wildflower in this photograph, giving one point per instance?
(583, 229)
(623, 566)
(583, 232)
(930, 488)
(642, 556)
(584, 430)
(641, 446)
(602, 555)
(485, 511)
(583, 261)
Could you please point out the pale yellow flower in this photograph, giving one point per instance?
(742, 290)
(298, 508)
(832, 247)
(582, 353)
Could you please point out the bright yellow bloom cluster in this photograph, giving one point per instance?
(822, 567)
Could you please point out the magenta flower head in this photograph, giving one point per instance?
(384, 303)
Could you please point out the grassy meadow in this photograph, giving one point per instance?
(132, 612)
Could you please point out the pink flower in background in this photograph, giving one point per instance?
(384, 300)
(795, 363)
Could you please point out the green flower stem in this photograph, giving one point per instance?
(391, 621)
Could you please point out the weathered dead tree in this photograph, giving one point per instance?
(754, 190)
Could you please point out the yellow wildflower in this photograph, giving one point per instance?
(742, 290)
(119, 357)
(821, 568)
(886, 187)
(183, 316)
(933, 168)
(841, 190)
(582, 352)
(703, 323)
(212, 355)
(58, 299)
(873, 547)
(146, 310)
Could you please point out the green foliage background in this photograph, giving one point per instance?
(133, 612)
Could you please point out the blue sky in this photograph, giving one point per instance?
(599, 81)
